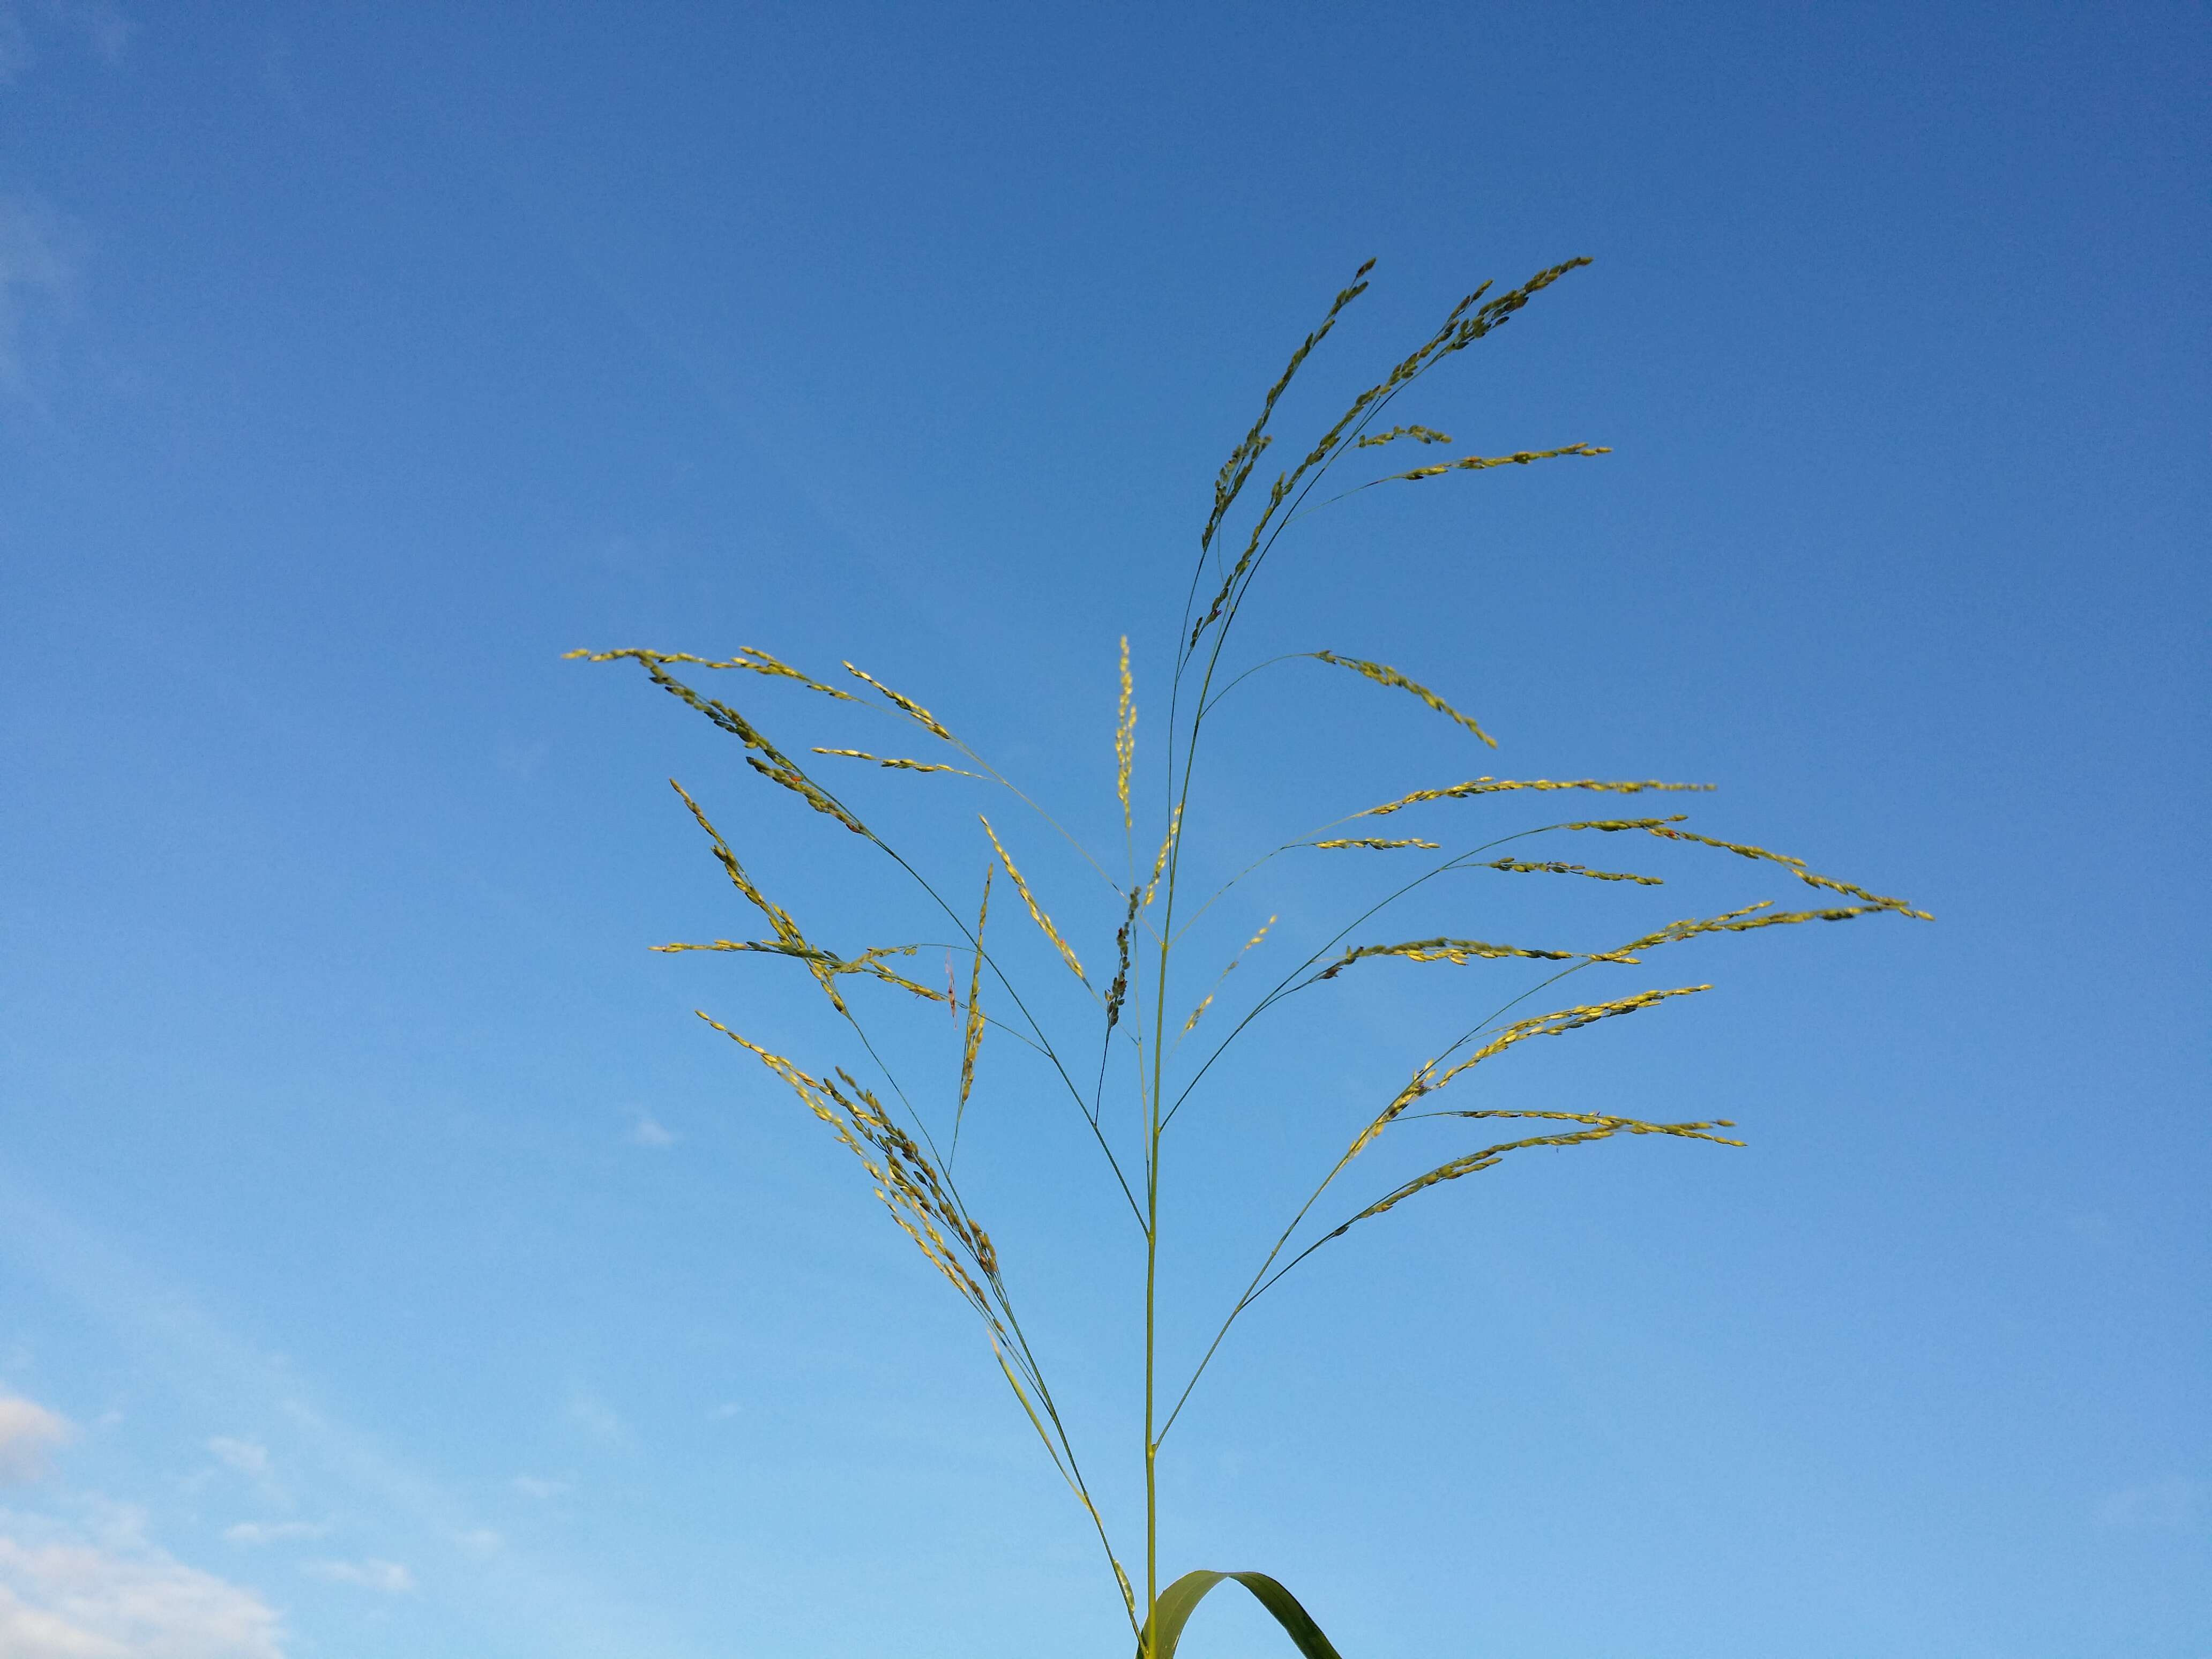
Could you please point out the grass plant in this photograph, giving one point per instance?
(906, 1141)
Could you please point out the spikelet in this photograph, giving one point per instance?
(1238, 467)
(1738, 921)
(898, 765)
(1124, 735)
(752, 656)
(1687, 928)
(970, 1292)
(772, 947)
(1382, 674)
(1559, 1021)
(907, 706)
(911, 1170)
(1609, 825)
(1420, 1085)
(1626, 1125)
(777, 767)
(1875, 900)
(1419, 434)
(1036, 914)
(1796, 866)
(1118, 992)
(1603, 1128)
(747, 657)
(1373, 841)
(1556, 869)
(868, 961)
(1466, 323)
(808, 790)
(973, 1040)
(1167, 846)
(1277, 495)
(804, 1087)
(1484, 463)
(906, 1182)
(1455, 950)
(785, 929)
(1496, 312)
(1566, 1019)
(1499, 786)
(817, 960)
(1206, 1002)
(877, 971)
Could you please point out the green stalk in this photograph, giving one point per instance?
(1152, 1265)
(1149, 1636)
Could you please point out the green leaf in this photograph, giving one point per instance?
(1181, 1598)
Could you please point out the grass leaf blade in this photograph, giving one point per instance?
(1162, 1632)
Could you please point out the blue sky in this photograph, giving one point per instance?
(391, 1263)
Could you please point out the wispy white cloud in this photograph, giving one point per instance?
(725, 1411)
(15, 46)
(559, 1614)
(99, 24)
(648, 1132)
(246, 1456)
(28, 1433)
(104, 27)
(250, 1458)
(388, 1576)
(38, 246)
(101, 1591)
(2171, 1503)
(65, 1594)
(271, 1532)
(590, 1413)
(522, 760)
(38, 272)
